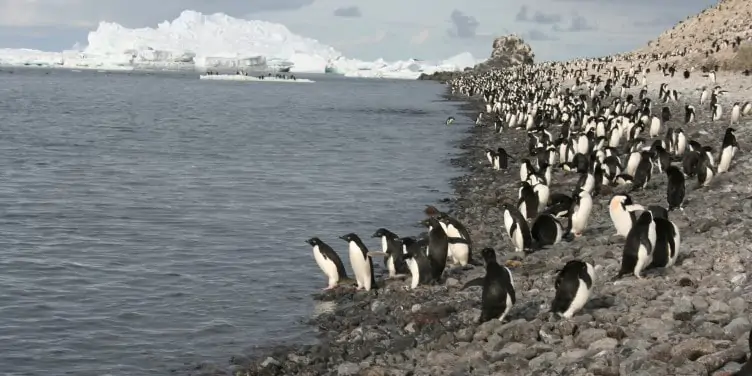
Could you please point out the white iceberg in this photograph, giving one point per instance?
(197, 41)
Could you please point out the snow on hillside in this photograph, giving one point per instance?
(218, 41)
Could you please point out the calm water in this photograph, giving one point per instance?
(152, 221)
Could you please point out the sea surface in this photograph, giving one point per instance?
(154, 221)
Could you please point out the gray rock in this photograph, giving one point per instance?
(603, 344)
(588, 336)
(543, 360)
(717, 306)
(348, 369)
(378, 307)
(738, 327)
(654, 328)
(269, 361)
(693, 348)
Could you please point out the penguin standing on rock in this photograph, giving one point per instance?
(361, 262)
(638, 248)
(573, 285)
(393, 255)
(547, 230)
(517, 228)
(729, 147)
(328, 261)
(579, 213)
(498, 294)
(667, 243)
(438, 246)
(622, 212)
(676, 189)
(417, 262)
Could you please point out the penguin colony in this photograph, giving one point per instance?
(608, 142)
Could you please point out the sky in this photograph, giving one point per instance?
(367, 30)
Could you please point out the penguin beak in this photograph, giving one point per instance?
(343, 237)
(375, 235)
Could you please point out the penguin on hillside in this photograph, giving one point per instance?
(517, 228)
(579, 213)
(574, 283)
(638, 248)
(361, 262)
(729, 147)
(546, 230)
(667, 243)
(498, 294)
(622, 210)
(328, 261)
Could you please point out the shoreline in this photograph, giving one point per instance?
(690, 319)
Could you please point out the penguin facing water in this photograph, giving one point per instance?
(394, 256)
(417, 262)
(498, 294)
(328, 261)
(574, 283)
(361, 262)
(638, 248)
(438, 246)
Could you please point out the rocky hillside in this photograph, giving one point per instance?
(506, 51)
(721, 34)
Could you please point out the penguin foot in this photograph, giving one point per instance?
(513, 264)
(577, 234)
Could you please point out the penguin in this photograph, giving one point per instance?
(747, 368)
(622, 210)
(501, 160)
(526, 169)
(689, 114)
(328, 261)
(736, 112)
(638, 248)
(574, 283)
(517, 228)
(438, 246)
(676, 189)
(449, 121)
(417, 262)
(729, 147)
(547, 230)
(393, 253)
(665, 114)
(498, 294)
(459, 250)
(667, 242)
(455, 229)
(528, 201)
(579, 213)
(747, 108)
(717, 112)
(658, 211)
(705, 170)
(690, 162)
(361, 262)
(558, 205)
(643, 172)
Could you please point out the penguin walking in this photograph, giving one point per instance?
(517, 228)
(717, 111)
(705, 170)
(417, 262)
(501, 159)
(579, 213)
(621, 209)
(394, 259)
(438, 247)
(667, 243)
(574, 284)
(498, 294)
(328, 261)
(729, 147)
(676, 188)
(547, 230)
(361, 262)
(638, 248)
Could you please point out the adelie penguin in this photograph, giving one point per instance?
(667, 243)
(361, 262)
(417, 262)
(574, 284)
(547, 230)
(438, 246)
(328, 261)
(517, 228)
(394, 259)
(638, 248)
(498, 294)
(675, 189)
(622, 210)
(579, 213)
(729, 147)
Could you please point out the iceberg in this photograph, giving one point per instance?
(196, 41)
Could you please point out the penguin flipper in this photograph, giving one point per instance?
(473, 282)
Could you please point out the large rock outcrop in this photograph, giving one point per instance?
(508, 51)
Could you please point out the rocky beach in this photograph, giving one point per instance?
(689, 319)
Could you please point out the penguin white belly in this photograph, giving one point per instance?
(580, 299)
(581, 216)
(460, 253)
(391, 267)
(677, 244)
(709, 176)
(725, 160)
(519, 243)
(360, 267)
(508, 222)
(543, 193)
(559, 233)
(632, 163)
(621, 219)
(644, 258)
(412, 265)
(507, 308)
(327, 266)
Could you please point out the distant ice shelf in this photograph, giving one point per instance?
(240, 77)
(195, 41)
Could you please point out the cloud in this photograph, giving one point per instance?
(579, 23)
(372, 39)
(464, 26)
(130, 13)
(538, 35)
(523, 15)
(350, 12)
(421, 37)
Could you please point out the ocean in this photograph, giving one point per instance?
(150, 221)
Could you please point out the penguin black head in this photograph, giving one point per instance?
(348, 237)
(489, 255)
(432, 211)
(730, 130)
(384, 232)
(314, 241)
